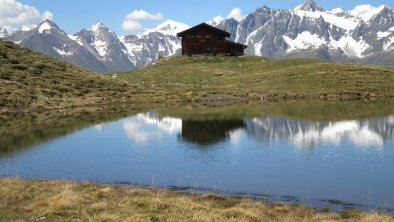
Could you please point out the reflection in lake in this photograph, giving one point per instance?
(145, 127)
(350, 161)
(304, 134)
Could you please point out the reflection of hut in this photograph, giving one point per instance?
(208, 132)
(206, 39)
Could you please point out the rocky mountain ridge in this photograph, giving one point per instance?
(363, 35)
(98, 48)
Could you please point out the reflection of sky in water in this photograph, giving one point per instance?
(265, 155)
(145, 127)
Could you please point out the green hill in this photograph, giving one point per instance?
(256, 78)
(30, 80)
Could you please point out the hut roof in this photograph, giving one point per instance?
(203, 26)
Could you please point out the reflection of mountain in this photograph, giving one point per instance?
(370, 132)
(304, 134)
(146, 126)
(208, 132)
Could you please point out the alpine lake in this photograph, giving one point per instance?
(337, 155)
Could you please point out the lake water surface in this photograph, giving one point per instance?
(338, 164)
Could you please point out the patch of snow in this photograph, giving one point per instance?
(238, 34)
(336, 11)
(76, 38)
(44, 27)
(101, 47)
(250, 40)
(26, 28)
(366, 11)
(382, 35)
(304, 40)
(257, 48)
(168, 27)
(347, 44)
(216, 20)
(389, 44)
(131, 49)
(350, 46)
(309, 5)
(63, 52)
(175, 45)
(97, 27)
(161, 48)
(332, 18)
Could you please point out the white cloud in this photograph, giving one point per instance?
(236, 14)
(16, 14)
(129, 25)
(143, 15)
(130, 21)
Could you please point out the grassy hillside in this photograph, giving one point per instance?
(68, 201)
(246, 78)
(30, 80)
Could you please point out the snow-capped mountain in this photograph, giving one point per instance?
(105, 45)
(99, 48)
(365, 34)
(362, 35)
(49, 39)
(145, 47)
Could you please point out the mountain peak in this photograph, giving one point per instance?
(216, 20)
(385, 8)
(309, 5)
(46, 26)
(171, 27)
(98, 26)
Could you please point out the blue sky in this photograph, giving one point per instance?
(73, 15)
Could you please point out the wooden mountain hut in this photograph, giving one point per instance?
(204, 39)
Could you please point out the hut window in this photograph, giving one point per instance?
(199, 36)
(207, 36)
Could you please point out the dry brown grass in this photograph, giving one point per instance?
(29, 200)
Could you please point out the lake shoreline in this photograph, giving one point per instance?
(54, 200)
